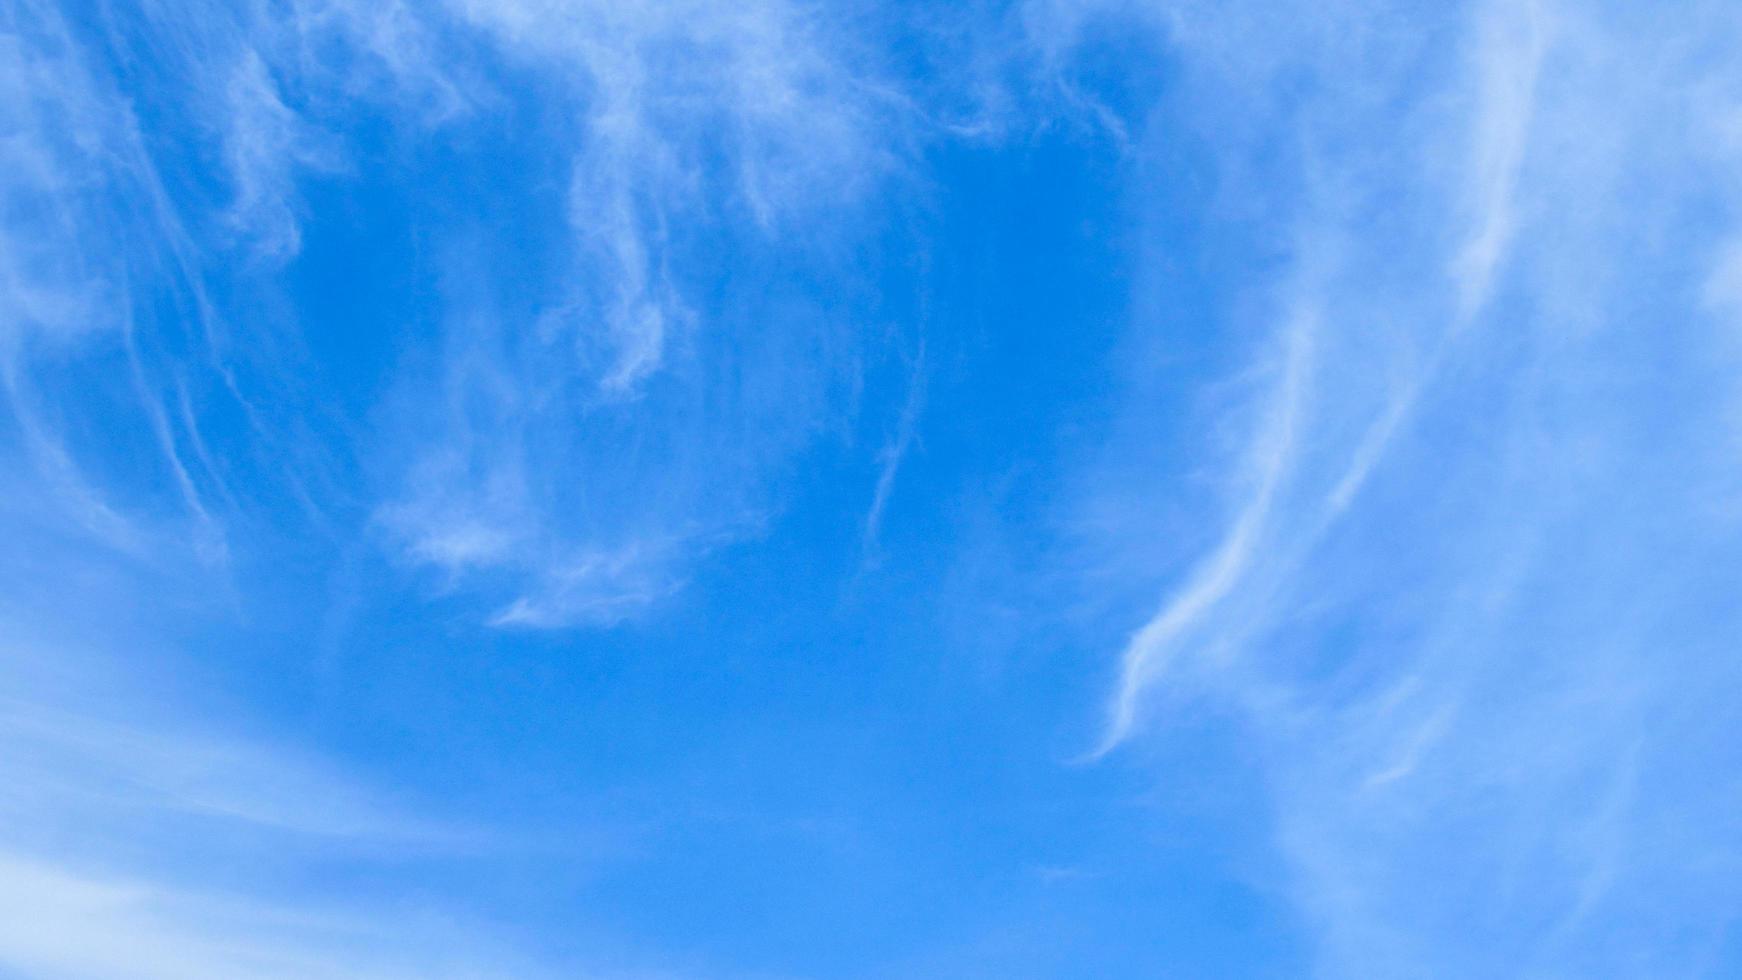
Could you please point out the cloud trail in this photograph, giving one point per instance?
(115, 828)
(1224, 569)
(891, 457)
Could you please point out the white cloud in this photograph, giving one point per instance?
(1511, 39)
(59, 758)
(587, 459)
(689, 134)
(896, 450)
(53, 284)
(663, 93)
(267, 144)
(56, 922)
(1225, 569)
(118, 837)
(1457, 629)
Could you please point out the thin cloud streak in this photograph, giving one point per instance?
(49, 916)
(84, 795)
(1219, 574)
(895, 452)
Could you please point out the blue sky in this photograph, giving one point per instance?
(530, 488)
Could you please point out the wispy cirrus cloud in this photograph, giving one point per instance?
(551, 301)
(267, 144)
(592, 452)
(67, 268)
(659, 94)
(148, 931)
(1438, 616)
(122, 824)
(896, 450)
(142, 378)
(568, 456)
